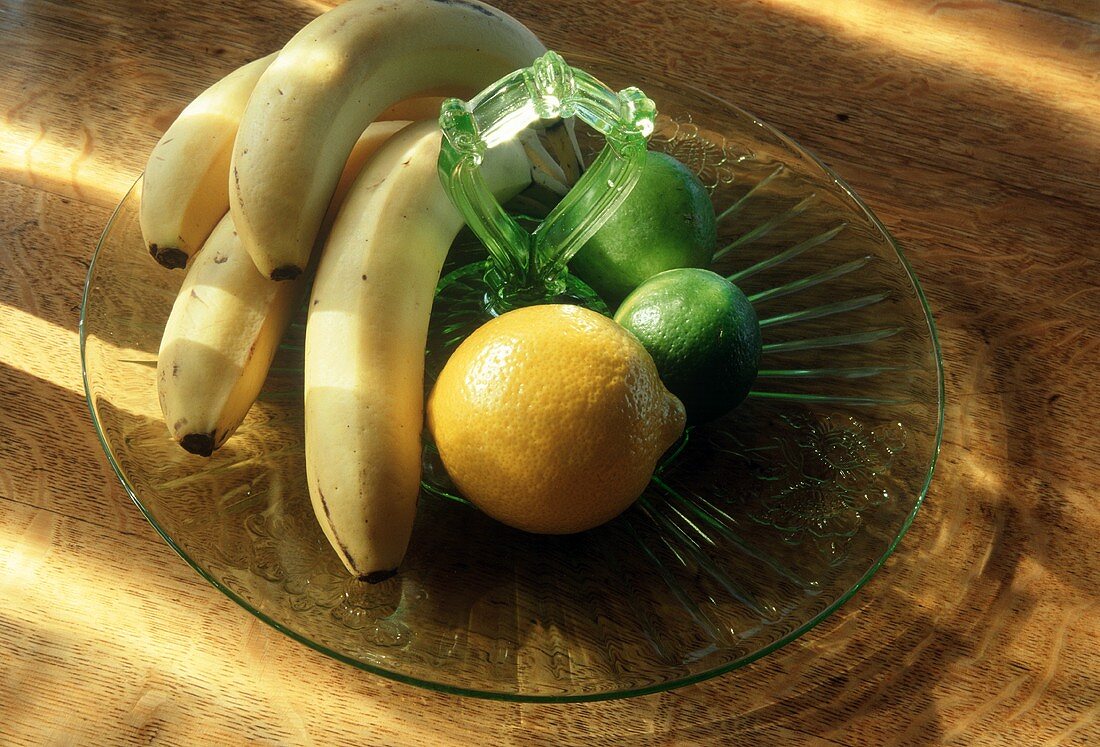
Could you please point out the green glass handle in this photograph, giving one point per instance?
(533, 264)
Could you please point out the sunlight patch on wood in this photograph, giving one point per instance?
(35, 159)
(51, 353)
(1012, 55)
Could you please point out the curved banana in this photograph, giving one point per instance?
(415, 109)
(365, 338)
(225, 325)
(219, 341)
(334, 77)
(185, 190)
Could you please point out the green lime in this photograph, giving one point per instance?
(702, 333)
(666, 221)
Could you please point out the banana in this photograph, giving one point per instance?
(219, 341)
(414, 109)
(185, 191)
(331, 79)
(225, 325)
(365, 338)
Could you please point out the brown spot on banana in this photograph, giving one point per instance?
(473, 6)
(168, 256)
(377, 577)
(201, 444)
(343, 549)
(286, 272)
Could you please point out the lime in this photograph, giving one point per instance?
(703, 335)
(666, 221)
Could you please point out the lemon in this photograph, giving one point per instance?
(703, 335)
(667, 221)
(551, 418)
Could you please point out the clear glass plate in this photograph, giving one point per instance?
(756, 529)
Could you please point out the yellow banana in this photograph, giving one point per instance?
(225, 325)
(333, 78)
(365, 338)
(219, 341)
(185, 191)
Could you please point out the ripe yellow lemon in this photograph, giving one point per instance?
(551, 418)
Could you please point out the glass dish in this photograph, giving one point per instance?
(754, 529)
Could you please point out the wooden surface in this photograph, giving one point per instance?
(971, 128)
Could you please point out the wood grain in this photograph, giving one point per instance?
(972, 129)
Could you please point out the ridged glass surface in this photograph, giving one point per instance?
(754, 529)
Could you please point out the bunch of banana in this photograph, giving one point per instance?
(254, 172)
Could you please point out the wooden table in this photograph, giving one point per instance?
(971, 128)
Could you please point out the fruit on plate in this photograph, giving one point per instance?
(667, 221)
(185, 191)
(365, 338)
(219, 341)
(331, 79)
(551, 418)
(703, 335)
(224, 327)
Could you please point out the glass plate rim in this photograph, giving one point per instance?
(672, 684)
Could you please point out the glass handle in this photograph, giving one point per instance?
(548, 89)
